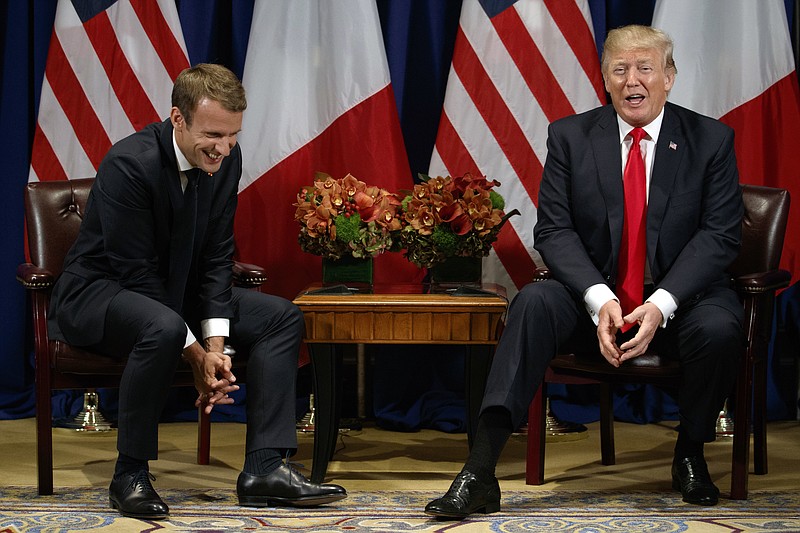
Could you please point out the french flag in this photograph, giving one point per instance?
(319, 99)
(735, 63)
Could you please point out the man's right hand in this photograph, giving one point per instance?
(609, 322)
(213, 378)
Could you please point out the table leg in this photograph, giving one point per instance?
(478, 362)
(326, 362)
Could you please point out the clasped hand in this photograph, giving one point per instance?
(647, 315)
(213, 378)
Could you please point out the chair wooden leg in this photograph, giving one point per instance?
(203, 437)
(741, 429)
(44, 442)
(760, 466)
(607, 453)
(534, 463)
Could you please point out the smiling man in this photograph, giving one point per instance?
(151, 273)
(639, 216)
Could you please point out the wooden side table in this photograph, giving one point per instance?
(394, 314)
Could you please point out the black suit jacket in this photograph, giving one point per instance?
(124, 239)
(694, 206)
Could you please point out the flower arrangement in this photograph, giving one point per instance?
(346, 217)
(450, 217)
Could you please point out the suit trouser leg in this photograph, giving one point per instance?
(269, 328)
(707, 338)
(541, 318)
(152, 335)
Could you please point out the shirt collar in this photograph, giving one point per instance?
(651, 129)
(183, 163)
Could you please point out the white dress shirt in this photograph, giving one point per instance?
(211, 327)
(597, 295)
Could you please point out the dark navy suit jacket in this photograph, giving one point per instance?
(694, 207)
(125, 238)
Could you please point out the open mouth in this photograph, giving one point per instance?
(635, 99)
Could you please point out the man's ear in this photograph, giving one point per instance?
(177, 119)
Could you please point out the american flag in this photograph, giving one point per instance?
(517, 66)
(109, 72)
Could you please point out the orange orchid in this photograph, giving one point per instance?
(451, 216)
(345, 216)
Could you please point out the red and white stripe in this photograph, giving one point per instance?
(105, 78)
(513, 74)
(319, 99)
(735, 63)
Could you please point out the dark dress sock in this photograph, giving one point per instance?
(127, 464)
(685, 447)
(262, 462)
(494, 429)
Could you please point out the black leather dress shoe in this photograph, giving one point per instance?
(690, 476)
(285, 486)
(134, 496)
(466, 495)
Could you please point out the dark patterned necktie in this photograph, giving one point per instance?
(182, 241)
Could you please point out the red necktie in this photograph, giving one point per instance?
(633, 250)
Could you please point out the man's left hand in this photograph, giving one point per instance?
(213, 378)
(649, 319)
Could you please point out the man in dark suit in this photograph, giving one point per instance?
(151, 272)
(684, 302)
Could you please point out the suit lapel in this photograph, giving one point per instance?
(205, 195)
(669, 152)
(170, 170)
(605, 144)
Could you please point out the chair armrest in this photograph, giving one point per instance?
(33, 277)
(247, 275)
(761, 282)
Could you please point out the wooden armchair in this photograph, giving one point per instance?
(756, 276)
(53, 214)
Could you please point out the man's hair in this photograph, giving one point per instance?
(636, 37)
(207, 80)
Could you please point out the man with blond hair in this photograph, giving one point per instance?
(685, 221)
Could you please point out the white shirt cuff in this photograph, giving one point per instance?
(596, 297)
(211, 327)
(666, 303)
(190, 338)
(215, 327)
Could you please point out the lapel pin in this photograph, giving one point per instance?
(672, 145)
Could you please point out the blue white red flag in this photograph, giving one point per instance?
(319, 99)
(735, 63)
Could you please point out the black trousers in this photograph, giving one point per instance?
(266, 328)
(544, 319)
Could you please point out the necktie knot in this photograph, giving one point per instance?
(637, 134)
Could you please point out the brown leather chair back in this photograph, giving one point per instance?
(766, 211)
(54, 211)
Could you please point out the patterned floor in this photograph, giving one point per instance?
(208, 511)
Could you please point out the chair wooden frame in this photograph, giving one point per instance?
(53, 212)
(756, 276)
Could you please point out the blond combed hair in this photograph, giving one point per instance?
(636, 37)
